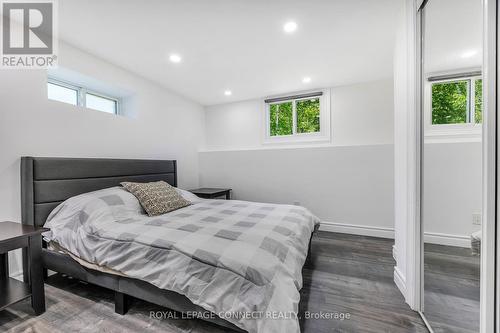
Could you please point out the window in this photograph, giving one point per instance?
(281, 118)
(308, 113)
(302, 117)
(62, 93)
(457, 101)
(453, 105)
(100, 103)
(79, 96)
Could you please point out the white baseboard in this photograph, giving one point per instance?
(18, 275)
(400, 280)
(384, 232)
(354, 229)
(447, 239)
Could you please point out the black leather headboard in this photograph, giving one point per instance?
(48, 181)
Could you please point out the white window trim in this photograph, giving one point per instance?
(469, 132)
(323, 135)
(82, 92)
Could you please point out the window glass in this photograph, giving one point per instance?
(100, 103)
(281, 118)
(478, 113)
(308, 115)
(449, 102)
(62, 94)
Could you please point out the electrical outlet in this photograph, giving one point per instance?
(476, 219)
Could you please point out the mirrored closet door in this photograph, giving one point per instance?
(451, 124)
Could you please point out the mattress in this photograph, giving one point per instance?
(241, 260)
(54, 246)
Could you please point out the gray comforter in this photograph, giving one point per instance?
(241, 260)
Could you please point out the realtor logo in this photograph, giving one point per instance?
(28, 34)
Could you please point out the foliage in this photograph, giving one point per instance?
(281, 117)
(449, 102)
(479, 102)
(308, 115)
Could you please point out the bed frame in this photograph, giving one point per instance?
(48, 181)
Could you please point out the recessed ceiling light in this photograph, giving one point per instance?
(307, 79)
(228, 92)
(290, 27)
(469, 54)
(175, 58)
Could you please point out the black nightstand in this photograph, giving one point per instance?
(15, 236)
(212, 193)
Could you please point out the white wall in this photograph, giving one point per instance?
(361, 114)
(347, 182)
(451, 191)
(234, 126)
(349, 186)
(164, 125)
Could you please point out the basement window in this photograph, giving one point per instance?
(454, 106)
(297, 118)
(80, 96)
(457, 101)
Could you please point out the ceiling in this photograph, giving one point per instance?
(453, 35)
(237, 45)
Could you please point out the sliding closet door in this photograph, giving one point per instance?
(451, 163)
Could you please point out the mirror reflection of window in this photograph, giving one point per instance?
(457, 101)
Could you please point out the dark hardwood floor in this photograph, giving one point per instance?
(451, 289)
(348, 275)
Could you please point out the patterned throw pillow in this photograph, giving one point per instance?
(156, 197)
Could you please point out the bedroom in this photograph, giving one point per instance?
(301, 104)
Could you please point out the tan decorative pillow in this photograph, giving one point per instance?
(156, 197)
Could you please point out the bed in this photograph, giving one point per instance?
(47, 182)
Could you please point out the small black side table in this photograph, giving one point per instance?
(15, 236)
(211, 193)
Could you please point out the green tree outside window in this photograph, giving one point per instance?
(478, 114)
(281, 119)
(307, 113)
(451, 103)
